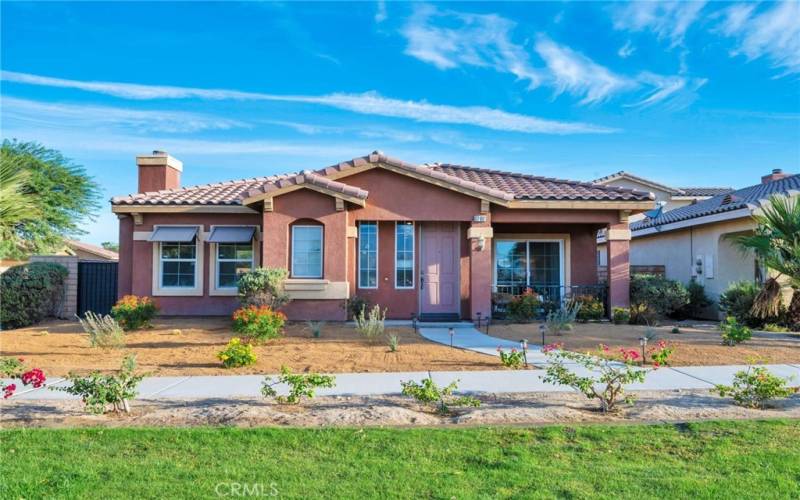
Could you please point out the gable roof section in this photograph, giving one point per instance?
(749, 197)
(685, 191)
(492, 185)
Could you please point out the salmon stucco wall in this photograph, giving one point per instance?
(136, 262)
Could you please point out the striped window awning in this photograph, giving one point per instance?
(232, 234)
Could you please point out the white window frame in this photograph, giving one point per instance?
(214, 289)
(413, 254)
(321, 251)
(377, 254)
(561, 258)
(178, 291)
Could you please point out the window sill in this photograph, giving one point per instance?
(223, 292)
(316, 289)
(177, 292)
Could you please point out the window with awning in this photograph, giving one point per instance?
(176, 234)
(232, 234)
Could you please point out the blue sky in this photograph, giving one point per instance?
(686, 93)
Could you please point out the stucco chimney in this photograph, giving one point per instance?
(158, 171)
(774, 176)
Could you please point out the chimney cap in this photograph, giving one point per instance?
(777, 170)
(158, 152)
(159, 159)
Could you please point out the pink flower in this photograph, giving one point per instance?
(8, 390)
(34, 377)
(551, 348)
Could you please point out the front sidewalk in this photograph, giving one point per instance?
(366, 384)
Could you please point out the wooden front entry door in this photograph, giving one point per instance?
(439, 277)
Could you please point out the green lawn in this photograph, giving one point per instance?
(714, 459)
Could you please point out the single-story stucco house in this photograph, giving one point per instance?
(429, 240)
(694, 242)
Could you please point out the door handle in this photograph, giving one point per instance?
(421, 282)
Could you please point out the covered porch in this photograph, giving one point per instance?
(552, 253)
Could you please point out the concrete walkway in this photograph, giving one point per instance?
(363, 384)
(469, 338)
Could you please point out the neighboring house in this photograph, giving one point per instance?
(87, 251)
(694, 241)
(667, 198)
(432, 240)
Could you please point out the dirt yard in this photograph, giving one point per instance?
(160, 351)
(505, 409)
(696, 344)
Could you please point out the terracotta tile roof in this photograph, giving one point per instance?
(505, 186)
(531, 187)
(681, 191)
(309, 177)
(704, 191)
(93, 249)
(750, 196)
(220, 193)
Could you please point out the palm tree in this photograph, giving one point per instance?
(16, 205)
(776, 242)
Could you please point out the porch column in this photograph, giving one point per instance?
(480, 236)
(619, 271)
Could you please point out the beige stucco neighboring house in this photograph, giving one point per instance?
(695, 241)
(666, 197)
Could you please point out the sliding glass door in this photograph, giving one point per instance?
(536, 264)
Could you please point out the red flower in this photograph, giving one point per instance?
(8, 390)
(34, 377)
(551, 348)
(21, 360)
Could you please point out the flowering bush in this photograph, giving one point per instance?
(237, 354)
(301, 384)
(258, 323)
(733, 332)
(754, 387)
(622, 316)
(98, 391)
(591, 308)
(661, 353)
(513, 359)
(13, 368)
(442, 398)
(134, 312)
(524, 307)
(628, 355)
(606, 380)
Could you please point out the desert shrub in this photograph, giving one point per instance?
(606, 378)
(237, 354)
(133, 312)
(661, 353)
(13, 368)
(354, 305)
(98, 391)
(655, 296)
(560, 320)
(30, 292)
(258, 323)
(394, 343)
(103, 331)
(513, 359)
(737, 301)
(300, 385)
(641, 314)
(698, 301)
(675, 329)
(524, 307)
(441, 398)
(316, 328)
(263, 286)
(371, 326)
(775, 328)
(591, 308)
(754, 387)
(622, 316)
(734, 332)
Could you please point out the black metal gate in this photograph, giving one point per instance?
(97, 286)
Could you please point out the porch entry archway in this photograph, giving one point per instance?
(439, 271)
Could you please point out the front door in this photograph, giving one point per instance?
(439, 280)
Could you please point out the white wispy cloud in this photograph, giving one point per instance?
(48, 114)
(626, 50)
(773, 33)
(370, 103)
(380, 14)
(678, 91)
(668, 20)
(448, 39)
(577, 74)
